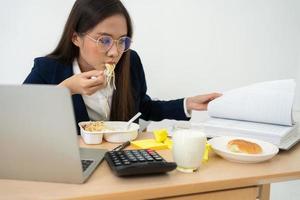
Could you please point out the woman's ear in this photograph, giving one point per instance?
(76, 39)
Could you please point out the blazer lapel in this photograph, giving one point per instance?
(78, 103)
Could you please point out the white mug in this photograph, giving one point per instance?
(188, 149)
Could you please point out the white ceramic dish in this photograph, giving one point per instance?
(219, 145)
(117, 134)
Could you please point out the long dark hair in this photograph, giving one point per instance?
(84, 16)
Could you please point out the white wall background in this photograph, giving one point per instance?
(215, 45)
(187, 47)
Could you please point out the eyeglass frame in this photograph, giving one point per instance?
(114, 42)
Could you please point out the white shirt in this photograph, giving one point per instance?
(187, 113)
(98, 104)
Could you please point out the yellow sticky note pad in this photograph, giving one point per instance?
(160, 135)
(208, 148)
(149, 144)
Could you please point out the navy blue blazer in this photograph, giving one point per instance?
(50, 71)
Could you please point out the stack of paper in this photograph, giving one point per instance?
(282, 136)
(262, 111)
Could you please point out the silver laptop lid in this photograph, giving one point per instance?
(38, 136)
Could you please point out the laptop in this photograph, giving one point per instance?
(38, 137)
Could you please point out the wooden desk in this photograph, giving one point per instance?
(218, 179)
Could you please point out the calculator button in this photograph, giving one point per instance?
(142, 159)
(129, 154)
(153, 154)
(118, 163)
(126, 163)
(157, 158)
(131, 158)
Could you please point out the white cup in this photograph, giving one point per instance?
(188, 149)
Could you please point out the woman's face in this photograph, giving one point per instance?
(93, 56)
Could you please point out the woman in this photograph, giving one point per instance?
(97, 35)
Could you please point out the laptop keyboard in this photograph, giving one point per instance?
(86, 163)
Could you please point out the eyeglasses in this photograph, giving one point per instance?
(106, 42)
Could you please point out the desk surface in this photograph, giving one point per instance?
(216, 174)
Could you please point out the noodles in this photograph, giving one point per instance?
(95, 126)
(110, 74)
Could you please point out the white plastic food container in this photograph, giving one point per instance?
(117, 134)
(88, 136)
(120, 133)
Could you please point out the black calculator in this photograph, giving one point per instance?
(137, 162)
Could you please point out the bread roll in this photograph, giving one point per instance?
(244, 146)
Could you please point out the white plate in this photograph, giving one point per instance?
(219, 145)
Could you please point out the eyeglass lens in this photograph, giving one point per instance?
(107, 42)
